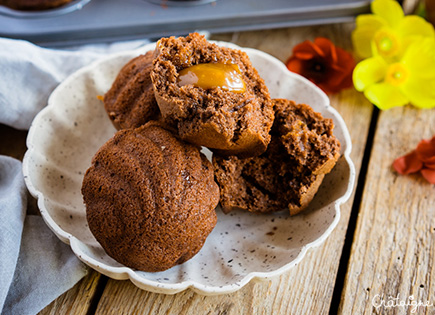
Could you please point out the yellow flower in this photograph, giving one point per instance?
(409, 80)
(388, 32)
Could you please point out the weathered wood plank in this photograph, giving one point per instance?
(12, 142)
(394, 246)
(77, 300)
(307, 288)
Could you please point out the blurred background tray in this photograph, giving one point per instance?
(85, 21)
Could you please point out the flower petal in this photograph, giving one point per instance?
(430, 164)
(429, 175)
(390, 10)
(385, 96)
(407, 164)
(295, 65)
(342, 66)
(305, 50)
(324, 64)
(421, 93)
(413, 25)
(426, 150)
(366, 27)
(368, 72)
(419, 58)
(327, 48)
(369, 21)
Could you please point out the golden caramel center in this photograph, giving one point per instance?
(211, 75)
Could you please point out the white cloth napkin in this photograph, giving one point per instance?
(30, 73)
(35, 267)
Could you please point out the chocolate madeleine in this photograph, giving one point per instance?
(130, 102)
(150, 198)
(288, 175)
(212, 95)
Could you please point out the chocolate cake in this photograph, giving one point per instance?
(150, 198)
(302, 150)
(33, 4)
(212, 95)
(130, 102)
(306, 136)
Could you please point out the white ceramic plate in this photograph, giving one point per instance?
(67, 133)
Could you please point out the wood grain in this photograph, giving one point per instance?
(307, 288)
(394, 247)
(77, 300)
(12, 142)
(394, 244)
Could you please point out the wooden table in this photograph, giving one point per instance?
(384, 244)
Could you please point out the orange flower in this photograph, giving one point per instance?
(324, 64)
(422, 160)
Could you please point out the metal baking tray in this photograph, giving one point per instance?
(85, 21)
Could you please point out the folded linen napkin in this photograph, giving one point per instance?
(30, 73)
(35, 267)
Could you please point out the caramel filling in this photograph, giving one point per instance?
(210, 75)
